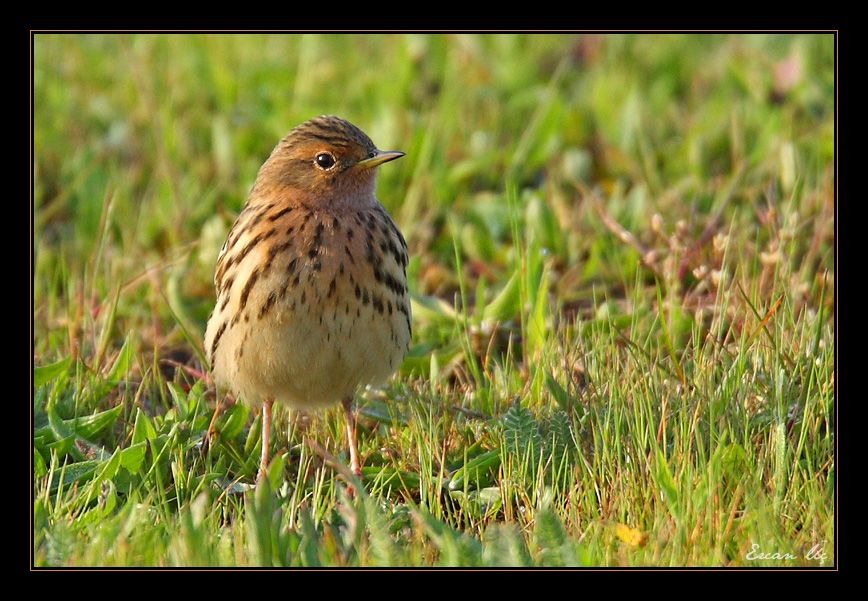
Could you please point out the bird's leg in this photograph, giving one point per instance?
(211, 433)
(350, 419)
(266, 435)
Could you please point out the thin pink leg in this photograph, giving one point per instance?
(266, 436)
(350, 419)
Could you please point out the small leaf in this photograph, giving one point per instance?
(236, 417)
(507, 303)
(87, 427)
(143, 429)
(664, 480)
(431, 309)
(733, 460)
(64, 446)
(259, 506)
(181, 398)
(46, 373)
(387, 476)
(40, 516)
(542, 224)
(477, 472)
(275, 470)
(536, 320)
(253, 433)
(434, 373)
(380, 411)
(59, 428)
(122, 363)
(39, 468)
(132, 457)
(110, 467)
(90, 426)
(558, 393)
(76, 472)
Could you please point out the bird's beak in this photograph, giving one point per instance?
(381, 156)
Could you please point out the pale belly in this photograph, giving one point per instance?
(298, 361)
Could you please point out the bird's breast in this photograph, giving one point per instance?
(311, 304)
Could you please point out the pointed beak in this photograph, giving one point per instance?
(380, 157)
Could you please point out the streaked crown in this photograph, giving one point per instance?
(330, 130)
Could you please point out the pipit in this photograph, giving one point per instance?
(312, 298)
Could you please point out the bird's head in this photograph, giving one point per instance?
(324, 161)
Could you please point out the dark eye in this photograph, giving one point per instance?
(325, 160)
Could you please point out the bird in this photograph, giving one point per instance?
(312, 300)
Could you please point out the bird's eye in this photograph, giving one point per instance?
(325, 160)
(372, 154)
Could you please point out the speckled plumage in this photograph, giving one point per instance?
(312, 301)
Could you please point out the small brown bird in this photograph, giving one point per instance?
(312, 297)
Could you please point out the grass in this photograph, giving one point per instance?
(622, 281)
